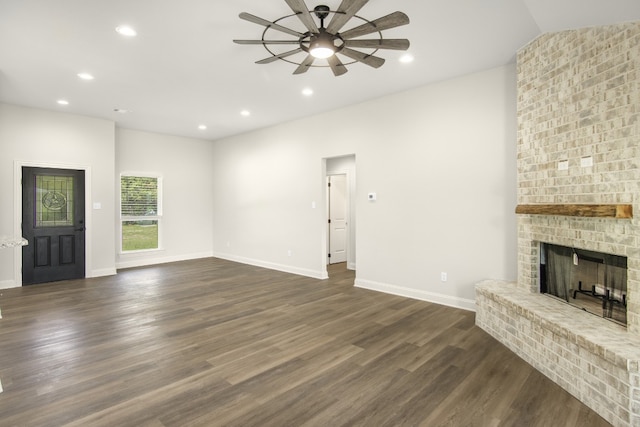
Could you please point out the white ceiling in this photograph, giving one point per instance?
(183, 69)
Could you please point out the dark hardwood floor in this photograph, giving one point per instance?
(214, 343)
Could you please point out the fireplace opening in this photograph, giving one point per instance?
(592, 281)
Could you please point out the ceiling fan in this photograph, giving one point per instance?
(320, 42)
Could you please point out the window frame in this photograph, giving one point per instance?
(157, 217)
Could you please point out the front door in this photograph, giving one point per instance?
(337, 219)
(53, 223)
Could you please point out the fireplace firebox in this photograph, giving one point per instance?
(592, 281)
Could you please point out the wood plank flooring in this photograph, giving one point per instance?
(214, 343)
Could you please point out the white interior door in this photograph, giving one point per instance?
(337, 218)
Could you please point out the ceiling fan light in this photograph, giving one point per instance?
(322, 46)
(321, 52)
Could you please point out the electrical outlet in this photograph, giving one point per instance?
(289, 252)
(586, 162)
(443, 276)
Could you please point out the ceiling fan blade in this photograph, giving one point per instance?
(266, 41)
(279, 56)
(300, 9)
(395, 19)
(257, 20)
(370, 60)
(395, 44)
(345, 12)
(337, 67)
(305, 65)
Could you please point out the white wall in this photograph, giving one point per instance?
(185, 167)
(36, 137)
(442, 161)
(263, 188)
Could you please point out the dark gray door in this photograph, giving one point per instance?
(53, 223)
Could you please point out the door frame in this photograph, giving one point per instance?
(17, 213)
(324, 245)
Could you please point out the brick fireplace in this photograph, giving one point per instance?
(578, 169)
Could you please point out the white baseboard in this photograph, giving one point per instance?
(351, 266)
(456, 302)
(137, 262)
(7, 284)
(141, 262)
(273, 266)
(102, 272)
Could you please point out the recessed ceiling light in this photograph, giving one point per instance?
(63, 102)
(245, 113)
(307, 91)
(126, 30)
(85, 76)
(406, 58)
(120, 110)
(202, 127)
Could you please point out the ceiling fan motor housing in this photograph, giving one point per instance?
(324, 39)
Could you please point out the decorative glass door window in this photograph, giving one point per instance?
(54, 204)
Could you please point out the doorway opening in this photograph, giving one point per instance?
(340, 214)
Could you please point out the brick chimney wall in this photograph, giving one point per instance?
(578, 143)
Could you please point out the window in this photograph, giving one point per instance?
(140, 212)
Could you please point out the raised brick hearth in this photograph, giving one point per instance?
(578, 143)
(592, 358)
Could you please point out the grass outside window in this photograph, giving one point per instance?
(139, 235)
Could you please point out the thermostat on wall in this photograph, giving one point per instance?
(372, 197)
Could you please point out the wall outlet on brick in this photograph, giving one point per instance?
(586, 162)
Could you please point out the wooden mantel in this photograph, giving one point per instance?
(591, 211)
